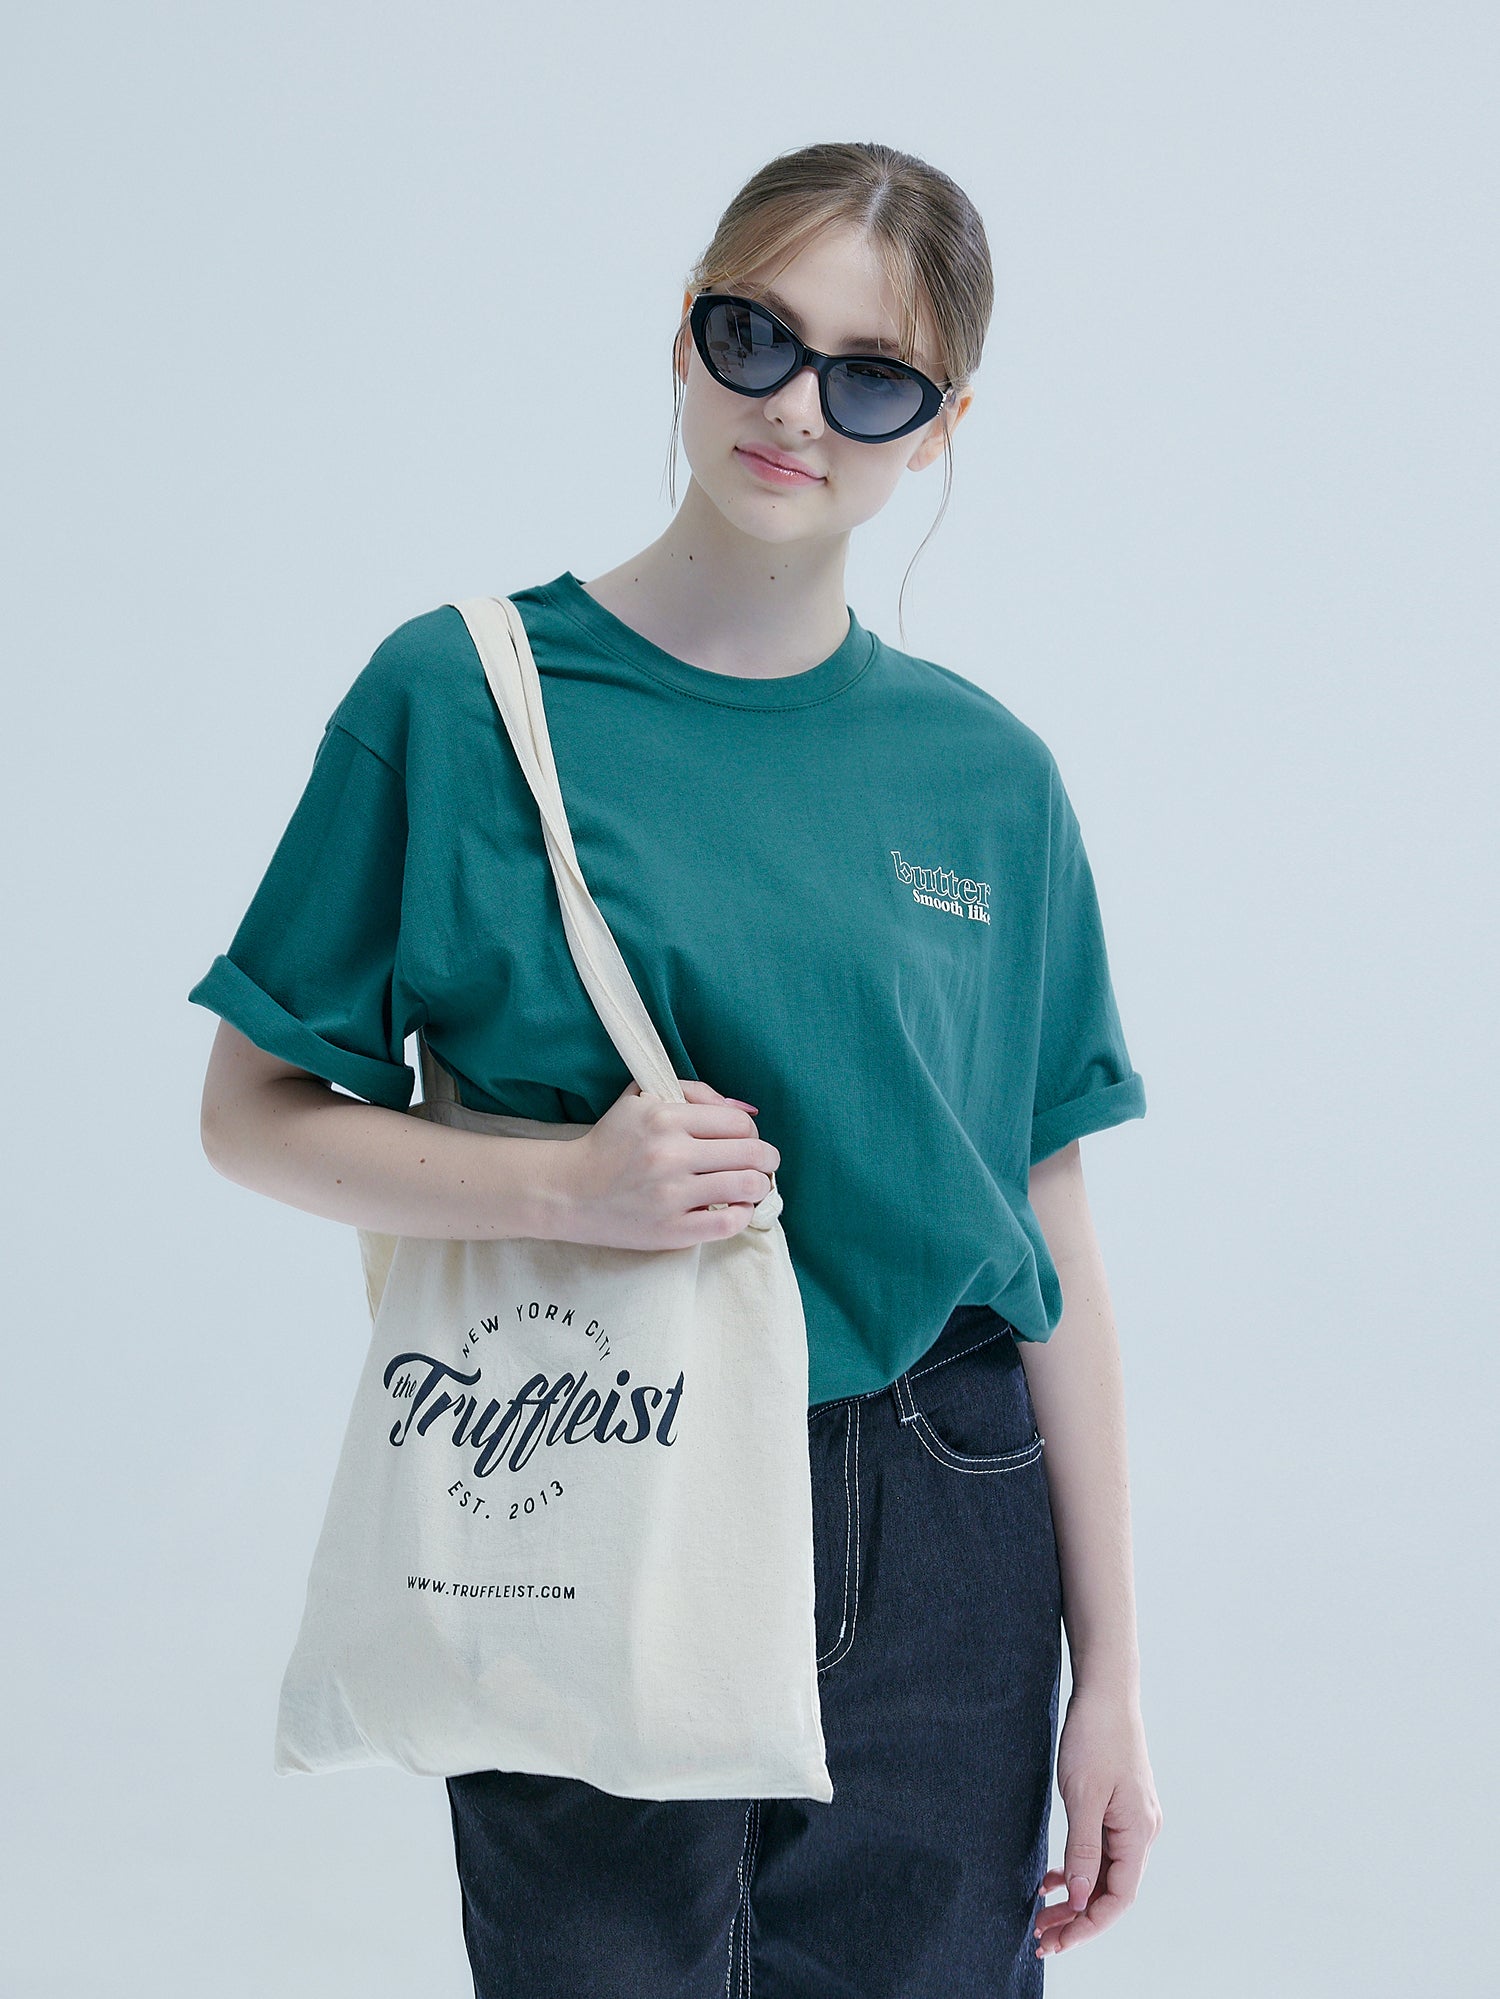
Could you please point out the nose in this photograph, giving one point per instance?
(797, 402)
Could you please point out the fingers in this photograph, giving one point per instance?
(1056, 1929)
(701, 1096)
(726, 1187)
(1084, 1851)
(713, 1115)
(705, 1093)
(1090, 1906)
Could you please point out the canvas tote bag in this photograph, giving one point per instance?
(570, 1527)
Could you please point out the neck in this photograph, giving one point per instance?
(729, 602)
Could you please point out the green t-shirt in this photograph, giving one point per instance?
(855, 896)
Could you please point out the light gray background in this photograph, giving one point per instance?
(289, 357)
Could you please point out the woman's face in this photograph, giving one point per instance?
(835, 295)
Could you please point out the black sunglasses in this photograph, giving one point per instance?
(865, 396)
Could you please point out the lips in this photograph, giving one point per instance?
(779, 464)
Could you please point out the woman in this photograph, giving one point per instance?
(850, 884)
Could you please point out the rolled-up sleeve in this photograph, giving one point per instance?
(1085, 1078)
(312, 973)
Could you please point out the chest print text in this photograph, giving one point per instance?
(941, 888)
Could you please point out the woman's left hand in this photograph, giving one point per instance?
(1105, 1779)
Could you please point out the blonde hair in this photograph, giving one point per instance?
(922, 225)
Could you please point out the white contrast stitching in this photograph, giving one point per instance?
(749, 1870)
(738, 1915)
(848, 1542)
(869, 1394)
(843, 1401)
(933, 1444)
(928, 1366)
(833, 1658)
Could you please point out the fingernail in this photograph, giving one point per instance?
(743, 1105)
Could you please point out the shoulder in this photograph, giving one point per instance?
(421, 676)
(1006, 744)
(990, 745)
(967, 702)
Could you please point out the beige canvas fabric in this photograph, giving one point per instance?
(570, 1528)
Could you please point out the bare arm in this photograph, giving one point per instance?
(641, 1178)
(1103, 1770)
(1078, 1393)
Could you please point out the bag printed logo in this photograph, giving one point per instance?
(547, 1409)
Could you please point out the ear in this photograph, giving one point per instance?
(931, 447)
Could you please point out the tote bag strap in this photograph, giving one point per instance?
(504, 650)
(437, 1084)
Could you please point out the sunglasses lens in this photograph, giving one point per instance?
(870, 400)
(748, 350)
(744, 347)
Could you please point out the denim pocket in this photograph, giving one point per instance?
(973, 1412)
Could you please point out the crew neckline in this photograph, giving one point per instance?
(830, 676)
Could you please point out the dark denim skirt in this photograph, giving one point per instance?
(939, 1632)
